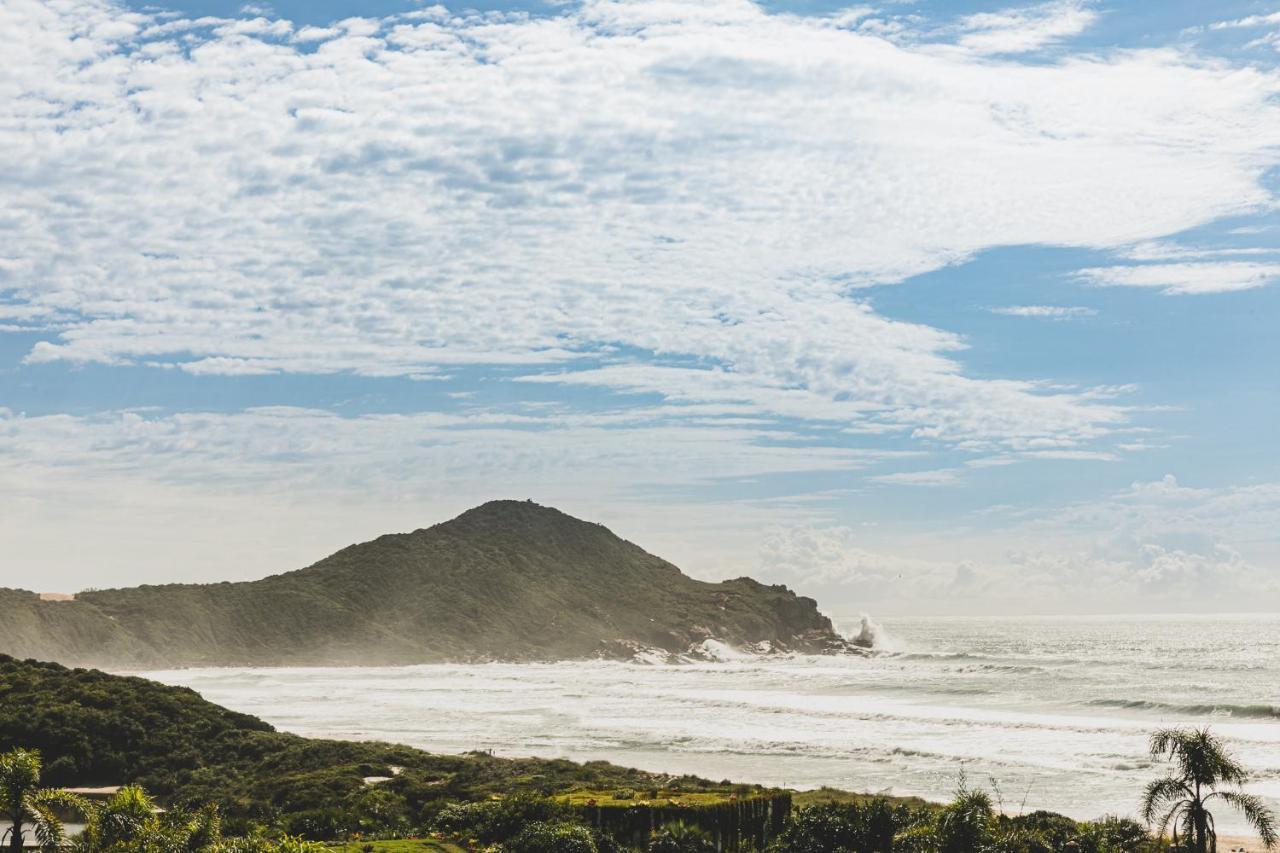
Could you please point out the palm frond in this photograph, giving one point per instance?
(19, 773)
(45, 825)
(1162, 825)
(1260, 817)
(1162, 741)
(1160, 793)
(59, 798)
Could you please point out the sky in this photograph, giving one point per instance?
(936, 307)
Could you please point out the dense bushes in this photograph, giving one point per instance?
(868, 827)
(93, 728)
(968, 824)
(560, 837)
(129, 822)
(492, 821)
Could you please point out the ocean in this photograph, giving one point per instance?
(1044, 712)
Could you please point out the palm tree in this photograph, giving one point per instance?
(23, 801)
(1202, 764)
(128, 819)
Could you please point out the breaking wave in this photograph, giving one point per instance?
(1258, 712)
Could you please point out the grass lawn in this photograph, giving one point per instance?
(803, 799)
(606, 798)
(399, 845)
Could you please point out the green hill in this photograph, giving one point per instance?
(507, 580)
(93, 729)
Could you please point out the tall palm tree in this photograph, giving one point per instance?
(23, 801)
(1201, 764)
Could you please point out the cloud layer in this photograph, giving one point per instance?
(691, 181)
(1156, 544)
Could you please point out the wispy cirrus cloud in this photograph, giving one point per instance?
(1263, 20)
(1046, 312)
(928, 479)
(1182, 279)
(1025, 28)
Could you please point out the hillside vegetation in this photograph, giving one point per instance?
(273, 789)
(93, 728)
(507, 580)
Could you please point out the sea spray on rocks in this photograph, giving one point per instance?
(872, 635)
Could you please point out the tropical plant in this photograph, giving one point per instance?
(681, 837)
(1202, 765)
(129, 820)
(23, 801)
(967, 823)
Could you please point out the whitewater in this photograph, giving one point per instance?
(1046, 712)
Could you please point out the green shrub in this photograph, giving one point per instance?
(493, 821)
(967, 824)
(320, 824)
(1052, 829)
(868, 827)
(1114, 835)
(559, 837)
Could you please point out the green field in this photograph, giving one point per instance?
(818, 796)
(664, 798)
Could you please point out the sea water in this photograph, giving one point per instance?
(1044, 712)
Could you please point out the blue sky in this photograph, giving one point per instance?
(928, 307)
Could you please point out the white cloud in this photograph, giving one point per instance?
(834, 561)
(1165, 250)
(1049, 312)
(1186, 278)
(1079, 455)
(411, 194)
(1249, 21)
(1019, 30)
(309, 33)
(935, 477)
(1154, 545)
